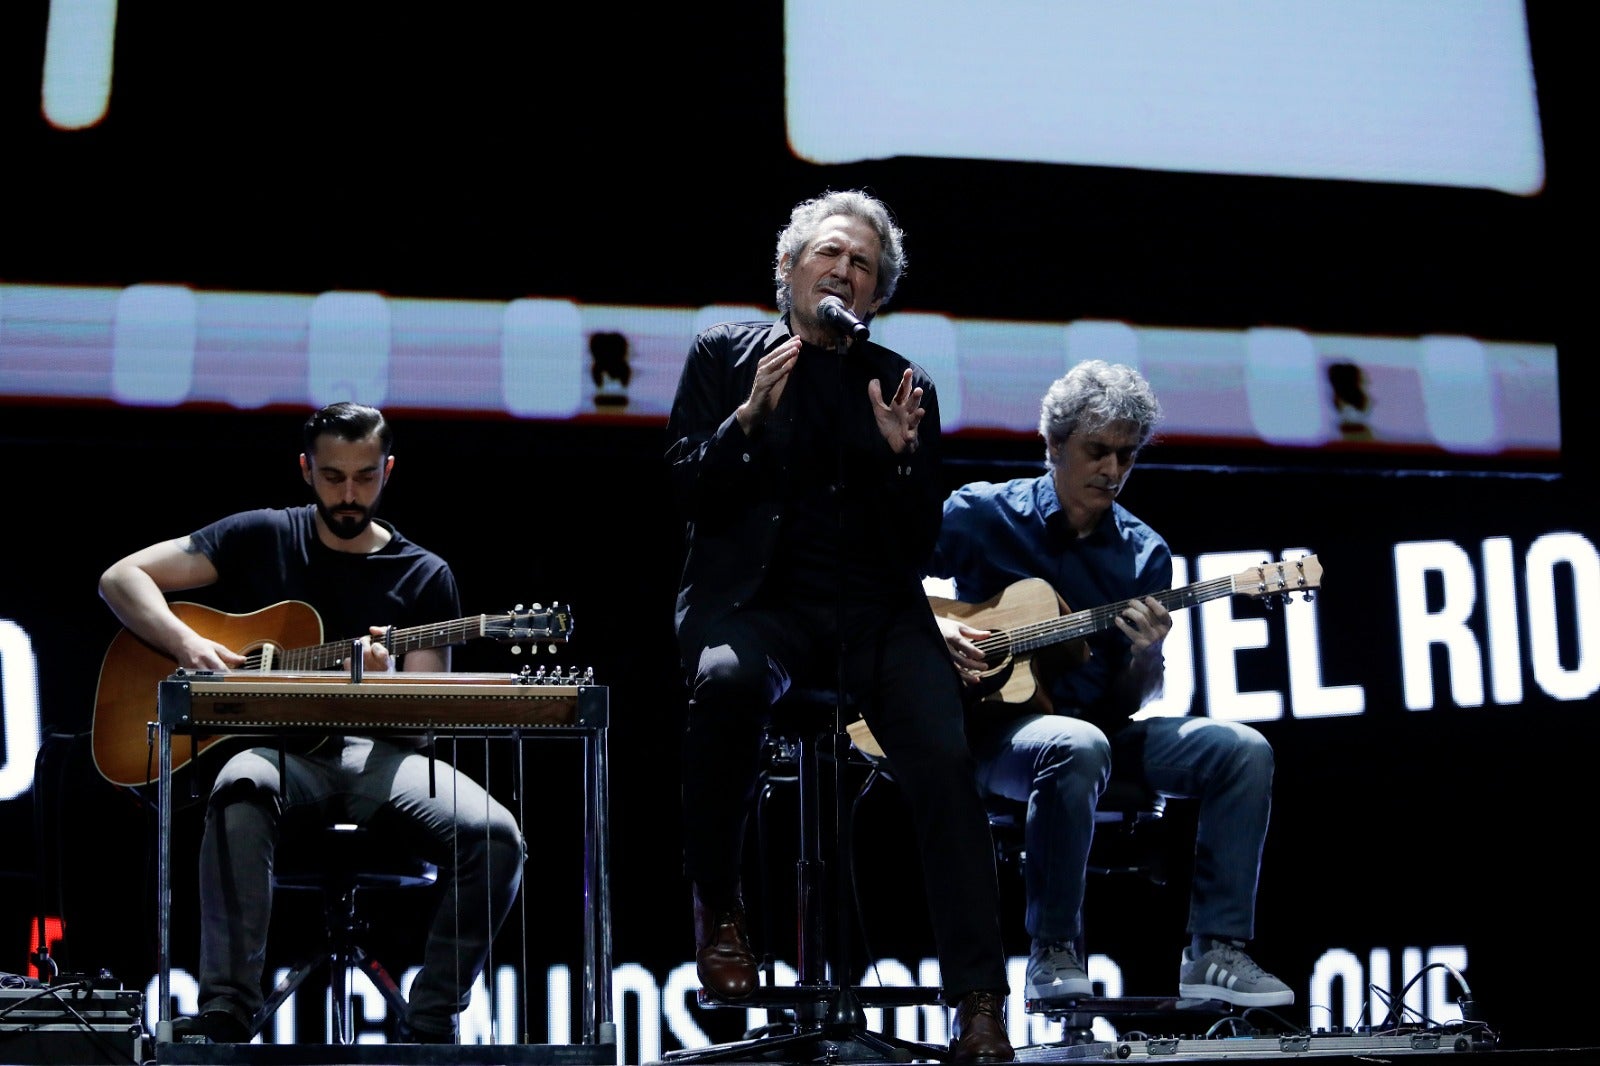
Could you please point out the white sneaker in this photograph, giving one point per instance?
(1226, 973)
(1056, 975)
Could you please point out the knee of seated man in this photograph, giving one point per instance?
(241, 787)
(1077, 750)
(727, 699)
(1250, 742)
(502, 840)
(1259, 751)
(508, 836)
(1251, 752)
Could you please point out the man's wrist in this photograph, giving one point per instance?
(1147, 657)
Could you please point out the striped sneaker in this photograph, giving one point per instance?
(1056, 975)
(1227, 974)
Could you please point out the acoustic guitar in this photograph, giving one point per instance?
(285, 636)
(1028, 616)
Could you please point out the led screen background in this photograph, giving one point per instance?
(645, 164)
(1433, 93)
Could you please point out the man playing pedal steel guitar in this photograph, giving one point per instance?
(1056, 753)
(362, 577)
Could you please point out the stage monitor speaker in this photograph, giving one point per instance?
(64, 1025)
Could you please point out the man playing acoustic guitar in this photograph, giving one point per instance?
(1053, 746)
(361, 576)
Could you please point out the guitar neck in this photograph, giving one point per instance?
(334, 654)
(1081, 624)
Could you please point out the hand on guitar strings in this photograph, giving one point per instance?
(376, 654)
(197, 652)
(1146, 624)
(959, 638)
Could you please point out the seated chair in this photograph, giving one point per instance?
(1123, 841)
(817, 1019)
(343, 862)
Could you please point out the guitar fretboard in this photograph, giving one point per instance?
(1081, 624)
(1278, 579)
(335, 654)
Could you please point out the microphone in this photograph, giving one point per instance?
(836, 315)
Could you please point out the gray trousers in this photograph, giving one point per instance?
(471, 836)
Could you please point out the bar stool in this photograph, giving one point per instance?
(343, 862)
(823, 1021)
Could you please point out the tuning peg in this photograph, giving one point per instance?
(1307, 595)
(552, 649)
(516, 649)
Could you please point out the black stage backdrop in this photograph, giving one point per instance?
(642, 160)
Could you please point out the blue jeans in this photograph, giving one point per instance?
(469, 835)
(1059, 765)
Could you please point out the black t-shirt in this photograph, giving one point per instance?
(266, 556)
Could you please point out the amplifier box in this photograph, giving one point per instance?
(66, 1024)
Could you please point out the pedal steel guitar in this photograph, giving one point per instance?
(523, 706)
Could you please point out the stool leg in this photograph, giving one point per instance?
(339, 999)
(350, 958)
(386, 985)
(342, 926)
(809, 872)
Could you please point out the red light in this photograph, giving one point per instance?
(52, 936)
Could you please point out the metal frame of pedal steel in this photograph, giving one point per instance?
(512, 708)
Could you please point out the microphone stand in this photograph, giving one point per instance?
(846, 1022)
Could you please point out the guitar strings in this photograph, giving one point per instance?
(401, 641)
(998, 646)
(325, 656)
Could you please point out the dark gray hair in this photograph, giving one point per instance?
(1094, 394)
(807, 217)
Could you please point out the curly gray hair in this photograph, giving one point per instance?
(807, 217)
(1093, 395)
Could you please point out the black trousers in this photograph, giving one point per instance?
(893, 662)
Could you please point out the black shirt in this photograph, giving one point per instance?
(814, 504)
(266, 556)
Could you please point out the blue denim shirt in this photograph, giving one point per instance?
(996, 534)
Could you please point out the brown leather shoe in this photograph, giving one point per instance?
(979, 1033)
(722, 957)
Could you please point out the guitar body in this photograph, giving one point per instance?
(1010, 678)
(125, 699)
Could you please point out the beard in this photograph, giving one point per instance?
(347, 526)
